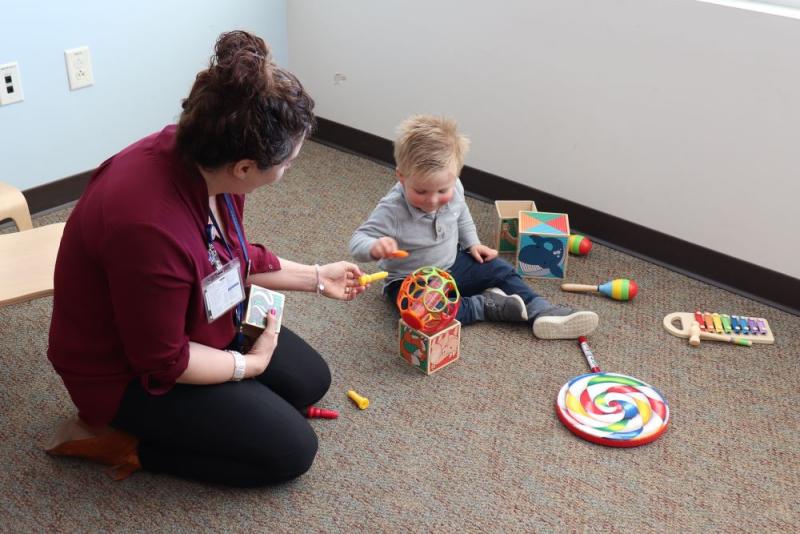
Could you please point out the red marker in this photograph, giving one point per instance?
(587, 352)
(312, 412)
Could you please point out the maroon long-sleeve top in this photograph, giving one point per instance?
(128, 297)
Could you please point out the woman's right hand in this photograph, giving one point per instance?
(383, 247)
(261, 352)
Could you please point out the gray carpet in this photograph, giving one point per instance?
(474, 447)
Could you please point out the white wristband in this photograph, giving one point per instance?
(320, 285)
(239, 365)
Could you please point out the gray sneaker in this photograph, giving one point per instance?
(561, 322)
(497, 306)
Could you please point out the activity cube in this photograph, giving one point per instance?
(506, 231)
(543, 244)
(429, 353)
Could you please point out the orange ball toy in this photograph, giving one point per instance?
(428, 299)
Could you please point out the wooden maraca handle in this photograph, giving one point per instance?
(579, 288)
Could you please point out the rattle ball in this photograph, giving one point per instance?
(612, 409)
(579, 245)
(428, 299)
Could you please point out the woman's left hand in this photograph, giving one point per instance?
(341, 280)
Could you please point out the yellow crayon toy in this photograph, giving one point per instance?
(361, 402)
(365, 279)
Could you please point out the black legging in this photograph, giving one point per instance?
(247, 433)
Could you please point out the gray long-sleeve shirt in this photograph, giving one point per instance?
(429, 238)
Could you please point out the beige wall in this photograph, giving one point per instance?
(678, 115)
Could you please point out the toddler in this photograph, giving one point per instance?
(425, 214)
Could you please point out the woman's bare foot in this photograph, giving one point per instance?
(74, 429)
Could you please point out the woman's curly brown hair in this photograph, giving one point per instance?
(243, 107)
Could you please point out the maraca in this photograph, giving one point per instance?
(617, 289)
(579, 245)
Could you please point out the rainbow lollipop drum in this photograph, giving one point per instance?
(612, 409)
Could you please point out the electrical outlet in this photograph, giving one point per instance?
(79, 67)
(339, 78)
(10, 84)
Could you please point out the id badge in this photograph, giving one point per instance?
(222, 290)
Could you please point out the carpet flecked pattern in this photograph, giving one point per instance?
(476, 447)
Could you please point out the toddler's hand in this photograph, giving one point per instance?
(482, 253)
(383, 248)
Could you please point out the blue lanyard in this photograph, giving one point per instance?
(214, 260)
(239, 233)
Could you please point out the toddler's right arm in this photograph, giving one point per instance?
(378, 228)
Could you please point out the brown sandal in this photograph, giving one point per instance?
(117, 449)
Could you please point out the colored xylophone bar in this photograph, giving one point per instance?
(722, 323)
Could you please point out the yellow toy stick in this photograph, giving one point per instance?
(365, 279)
(361, 402)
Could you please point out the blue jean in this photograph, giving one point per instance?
(473, 278)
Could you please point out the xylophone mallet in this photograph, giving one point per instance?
(617, 289)
(695, 335)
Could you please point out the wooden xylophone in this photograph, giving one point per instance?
(738, 329)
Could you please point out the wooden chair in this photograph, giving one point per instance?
(27, 257)
(14, 206)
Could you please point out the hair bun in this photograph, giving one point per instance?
(243, 106)
(243, 62)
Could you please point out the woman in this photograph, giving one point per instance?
(151, 269)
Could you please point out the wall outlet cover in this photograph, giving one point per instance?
(10, 84)
(79, 67)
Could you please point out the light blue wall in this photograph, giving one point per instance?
(145, 55)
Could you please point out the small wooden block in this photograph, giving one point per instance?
(429, 353)
(259, 302)
(506, 231)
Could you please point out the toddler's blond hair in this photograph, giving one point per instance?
(426, 144)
